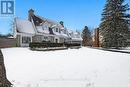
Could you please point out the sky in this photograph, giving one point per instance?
(74, 13)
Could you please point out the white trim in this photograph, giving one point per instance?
(26, 34)
(34, 26)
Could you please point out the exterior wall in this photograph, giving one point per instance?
(18, 41)
(7, 42)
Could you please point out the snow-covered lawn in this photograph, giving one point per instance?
(84, 67)
(127, 50)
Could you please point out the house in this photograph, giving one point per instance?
(39, 29)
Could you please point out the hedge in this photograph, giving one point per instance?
(72, 44)
(48, 44)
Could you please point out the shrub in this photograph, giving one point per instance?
(44, 45)
(49, 44)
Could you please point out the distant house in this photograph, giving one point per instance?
(39, 29)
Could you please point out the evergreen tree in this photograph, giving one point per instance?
(86, 35)
(114, 24)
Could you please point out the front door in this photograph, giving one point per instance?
(56, 40)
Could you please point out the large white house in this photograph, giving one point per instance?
(39, 29)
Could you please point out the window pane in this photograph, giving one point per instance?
(26, 40)
(56, 29)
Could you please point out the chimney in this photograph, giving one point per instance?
(30, 14)
(96, 38)
(62, 23)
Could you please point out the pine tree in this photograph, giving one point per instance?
(114, 24)
(86, 35)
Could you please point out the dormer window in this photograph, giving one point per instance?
(45, 27)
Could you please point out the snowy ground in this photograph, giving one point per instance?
(82, 67)
(127, 50)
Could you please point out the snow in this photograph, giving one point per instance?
(52, 22)
(24, 26)
(125, 50)
(41, 30)
(75, 35)
(84, 67)
(64, 35)
(76, 39)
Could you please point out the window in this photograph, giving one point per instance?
(56, 29)
(45, 27)
(52, 39)
(59, 30)
(56, 40)
(46, 38)
(26, 40)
